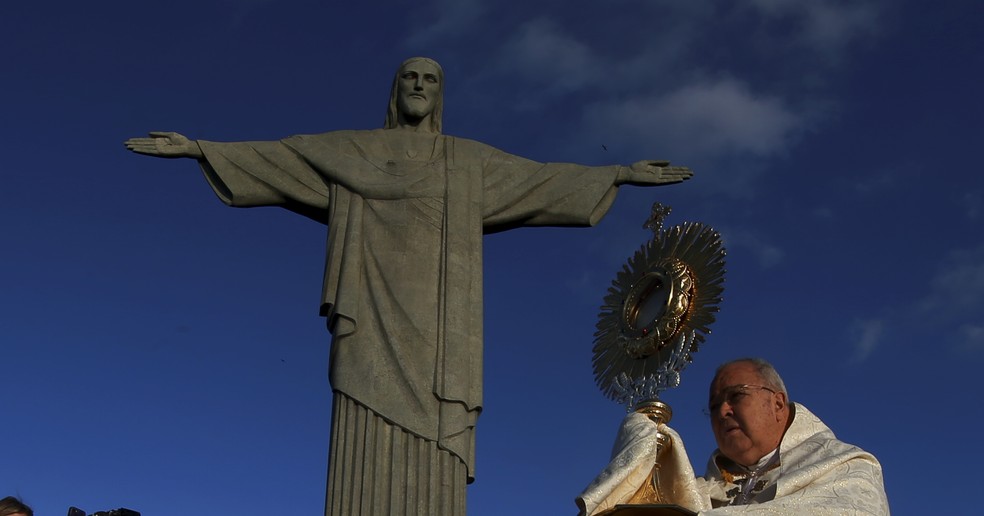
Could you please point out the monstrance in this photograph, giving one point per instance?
(656, 314)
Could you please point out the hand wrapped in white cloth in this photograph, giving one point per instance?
(634, 454)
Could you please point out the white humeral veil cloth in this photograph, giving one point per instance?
(818, 474)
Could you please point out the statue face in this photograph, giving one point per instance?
(418, 90)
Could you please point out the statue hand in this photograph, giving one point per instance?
(165, 145)
(649, 173)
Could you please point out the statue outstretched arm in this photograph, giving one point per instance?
(165, 145)
(652, 173)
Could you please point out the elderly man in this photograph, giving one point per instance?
(773, 456)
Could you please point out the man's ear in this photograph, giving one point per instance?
(781, 402)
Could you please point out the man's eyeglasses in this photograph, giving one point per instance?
(733, 395)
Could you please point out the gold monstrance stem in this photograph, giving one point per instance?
(657, 412)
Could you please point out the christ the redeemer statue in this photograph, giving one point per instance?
(406, 208)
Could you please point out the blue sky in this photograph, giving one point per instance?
(163, 352)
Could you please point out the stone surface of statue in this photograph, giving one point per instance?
(406, 208)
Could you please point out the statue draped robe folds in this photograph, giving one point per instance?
(403, 273)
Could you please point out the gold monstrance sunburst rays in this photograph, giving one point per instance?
(656, 314)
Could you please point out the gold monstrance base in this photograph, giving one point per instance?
(653, 509)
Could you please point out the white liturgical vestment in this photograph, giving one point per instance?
(815, 474)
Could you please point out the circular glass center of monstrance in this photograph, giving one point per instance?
(651, 298)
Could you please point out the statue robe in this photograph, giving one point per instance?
(403, 273)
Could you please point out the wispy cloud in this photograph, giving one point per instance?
(972, 203)
(766, 253)
(874, 183)
(950, 311)
(824, 213)
(955, 300)
(545, 55)
(828, 26)
(707, 117)
(971, 338)
(239, 10)
(957, 287)
(867, 334)
(651, 82)
(446, 19)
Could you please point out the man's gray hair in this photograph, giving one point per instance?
(764, 369)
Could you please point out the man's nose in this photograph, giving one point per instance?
(418, 84)
(723, 410)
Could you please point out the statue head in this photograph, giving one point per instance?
(417, 95)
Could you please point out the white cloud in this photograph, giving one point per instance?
(874, 183)
(649, 86)
(543, 54)
(829, 26)
(972, 203)
(957, 288)
(767, 254)
(240, 10)
(971, 338)
(952, 307)
(447, 18)
(823, 213)
(702, 118)
(867, 335)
